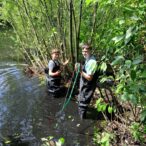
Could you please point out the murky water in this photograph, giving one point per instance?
(27, 110)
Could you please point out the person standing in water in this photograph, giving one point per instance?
(54, 74)
(88, 78)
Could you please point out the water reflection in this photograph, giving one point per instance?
(26, 109)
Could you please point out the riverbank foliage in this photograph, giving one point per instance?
(8, 47)
(115, 28)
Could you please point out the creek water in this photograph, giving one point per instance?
(27, 110)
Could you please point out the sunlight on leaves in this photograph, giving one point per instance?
(117, 38)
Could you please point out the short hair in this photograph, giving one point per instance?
(55, 51)
(86, 46)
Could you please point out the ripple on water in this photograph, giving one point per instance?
(16, 100)
(26, 109)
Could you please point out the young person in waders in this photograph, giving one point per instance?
(88, 78)
(54, 74)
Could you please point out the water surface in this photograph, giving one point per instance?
(26, 109)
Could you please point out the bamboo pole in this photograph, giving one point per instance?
(78, 31)
(71, 36)
(27, 10)
(94, 22)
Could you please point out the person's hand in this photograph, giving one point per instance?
(58, 73)
(78, 66)
(66, 62)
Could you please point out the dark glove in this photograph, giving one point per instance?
(46, 70)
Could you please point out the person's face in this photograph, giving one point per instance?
(55, 55)
(86, 53)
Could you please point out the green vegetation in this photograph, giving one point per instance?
(8, 46)
(115, 28)
(51, 141)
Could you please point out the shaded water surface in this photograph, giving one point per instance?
(27, 110)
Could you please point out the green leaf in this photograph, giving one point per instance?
(103, 107)
(44, 139)
(90, 1)
(103, 66)
(98, 101)
(129, 34)
(124, 96)
(143, 115)
(133, 74)
(135, 18)
(120, 87)
(118, 60)
(99, 108)
(128, 63)
(7, 142)
(121, 22)
(103, 79)
(117, 38)
(143, 74)
(110, 109)
(105, 138)
(128, 9)
(62, 140)
(133, 99)
(138, 60)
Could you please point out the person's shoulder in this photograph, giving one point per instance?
(51, 61)
(92, 59)
(57, 62)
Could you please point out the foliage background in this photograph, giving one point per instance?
(115, 28)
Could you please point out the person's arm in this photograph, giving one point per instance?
(65, 63)
(86, 76)
(54, 74)
(90, 70)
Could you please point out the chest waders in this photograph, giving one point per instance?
(87, 89)
(54, 82)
